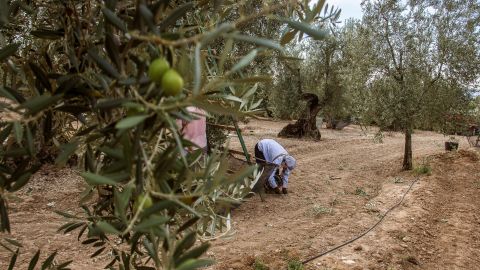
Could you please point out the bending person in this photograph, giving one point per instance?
(268, 151)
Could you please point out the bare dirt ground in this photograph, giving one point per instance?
(340, 188)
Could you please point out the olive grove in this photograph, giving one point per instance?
(425, 55)
(76, 81)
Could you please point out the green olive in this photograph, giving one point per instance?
(157, 69)
(172, 83)
(148, 202)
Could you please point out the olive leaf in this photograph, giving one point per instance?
(256, 40)
(103, 64)
(246, 60)
(40, 103)
(130, 121)
(96, 179)
(114, 20)
(48, 34)
(41, 77)
(8, 50)
(175, 15)
(34, 260)
(317, 34)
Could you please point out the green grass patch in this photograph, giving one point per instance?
(259, 265)
(295, 265)
(360, 192)
(423, 169)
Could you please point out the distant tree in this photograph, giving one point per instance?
(287, 87)
(417, 47)
(355, 70)
(322, 75)
(302, 88)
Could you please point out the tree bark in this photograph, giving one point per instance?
(407, 154)
(306, 126)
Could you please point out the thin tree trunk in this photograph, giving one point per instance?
(407, 155)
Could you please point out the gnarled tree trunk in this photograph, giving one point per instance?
(306, 126)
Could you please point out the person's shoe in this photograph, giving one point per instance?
(285, 191)
(277, 190)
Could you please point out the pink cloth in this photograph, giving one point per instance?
(195, 130)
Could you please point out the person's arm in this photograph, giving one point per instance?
(285, 174)
(271, 178)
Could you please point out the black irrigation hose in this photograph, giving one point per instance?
(363, 234)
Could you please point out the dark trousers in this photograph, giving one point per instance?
(259, 157)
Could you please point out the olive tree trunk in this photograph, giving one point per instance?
(306, 125)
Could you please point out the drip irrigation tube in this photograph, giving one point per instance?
(363, 234)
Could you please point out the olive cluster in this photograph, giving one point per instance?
(160, 72)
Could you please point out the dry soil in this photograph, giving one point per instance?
(342, 185)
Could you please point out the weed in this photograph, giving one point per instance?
(295, 265)
(336, 201)
(259, 265)
(293, 260)
(372, 207)
(378, 137)
(360, 192)
(318, 210)
(477, 184)
(411, 259)
(398, 180)
(400, 235)
(423, 169)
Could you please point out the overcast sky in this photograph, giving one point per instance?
(350, 8)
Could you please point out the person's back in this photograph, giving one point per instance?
(269, 152)
(272, 151)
